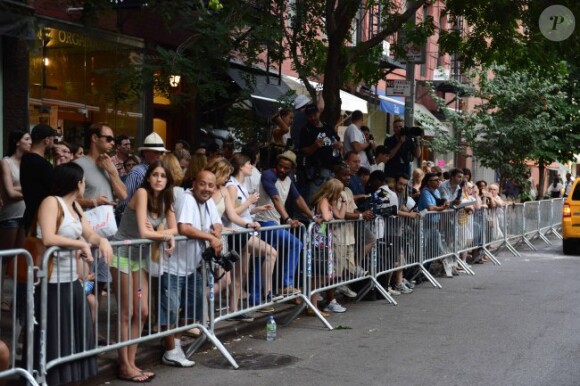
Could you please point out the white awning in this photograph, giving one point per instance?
(349, 102)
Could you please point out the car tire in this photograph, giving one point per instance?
(568, 246)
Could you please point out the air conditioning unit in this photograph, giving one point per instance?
(386, 48)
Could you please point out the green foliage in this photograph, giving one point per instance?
(522, 116)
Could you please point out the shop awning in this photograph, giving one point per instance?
(17, 26)
(265, 92)
(349, 102)
(428, 121)
(390, 104)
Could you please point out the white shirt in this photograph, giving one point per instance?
(187, 255)
(252, 183)
(354, 134)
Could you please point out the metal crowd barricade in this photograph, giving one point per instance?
(17, 324)
(467, 230)
(531, 226)
(514, 226)
(339, 253)
(439, 232)
(556, 217)
(401, 247)
(544, 220)
(265, 279)
(64, 352)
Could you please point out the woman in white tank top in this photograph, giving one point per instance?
(242, 243)
(68, 313)
(11, 231)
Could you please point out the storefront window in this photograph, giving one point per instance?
(77, 79)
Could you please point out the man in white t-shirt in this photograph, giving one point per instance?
(198, 219)
(354, 139)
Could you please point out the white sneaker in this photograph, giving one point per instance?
(360, 271)
(393, 292)
(403, 289)
(333, 306)
(176, 357)
(343, 289)
(408, 284)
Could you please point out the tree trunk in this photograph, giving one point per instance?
(333, 77)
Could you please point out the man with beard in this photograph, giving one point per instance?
(276, 187)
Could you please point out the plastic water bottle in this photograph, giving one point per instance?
(271, 329)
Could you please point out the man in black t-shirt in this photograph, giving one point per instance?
(402, 151)
(36, 171)
(322, 148)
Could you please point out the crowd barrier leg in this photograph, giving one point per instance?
(306, 279)
(430, 277)
(210, 334)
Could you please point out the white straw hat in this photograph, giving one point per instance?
(153, 142)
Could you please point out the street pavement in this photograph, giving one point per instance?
(514, 324)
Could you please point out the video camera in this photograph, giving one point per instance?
(226, 261)
(412, 131)
(380, 205)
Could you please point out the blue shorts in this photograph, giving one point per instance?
(180, 292)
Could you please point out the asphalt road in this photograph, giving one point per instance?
(515, 324)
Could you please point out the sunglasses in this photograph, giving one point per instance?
(108, 138)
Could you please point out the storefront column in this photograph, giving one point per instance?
(14, 86)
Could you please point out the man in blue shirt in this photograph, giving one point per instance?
(430, 200)
(276, 187)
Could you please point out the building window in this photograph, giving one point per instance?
(76, 79)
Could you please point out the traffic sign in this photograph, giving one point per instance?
(398, 87)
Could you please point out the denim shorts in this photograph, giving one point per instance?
(180, 292)
(12, 223)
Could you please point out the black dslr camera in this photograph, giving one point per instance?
(380, 205)
(226, 261)
(412, 131)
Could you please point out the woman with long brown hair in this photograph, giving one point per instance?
(151, 206)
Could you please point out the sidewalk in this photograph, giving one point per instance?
(150, 353)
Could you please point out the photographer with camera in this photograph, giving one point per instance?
(384, 204)
(182, 282)
(403, 147)
(322, 149)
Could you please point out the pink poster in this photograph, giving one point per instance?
(441, 163)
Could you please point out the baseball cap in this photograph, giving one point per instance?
(311, 109)
(42, 131)
(301, 101)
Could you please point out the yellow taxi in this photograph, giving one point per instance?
(571, 219)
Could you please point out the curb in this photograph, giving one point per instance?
(150, 353)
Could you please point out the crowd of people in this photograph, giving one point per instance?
(310, 175)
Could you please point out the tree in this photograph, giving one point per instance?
(318, 38)
(523, 115)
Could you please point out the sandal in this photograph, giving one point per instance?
(193, 332)
(137, 378)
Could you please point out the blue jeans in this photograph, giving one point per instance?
(185, 292)
(288, 247)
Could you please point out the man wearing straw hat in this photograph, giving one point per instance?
(152, 151)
